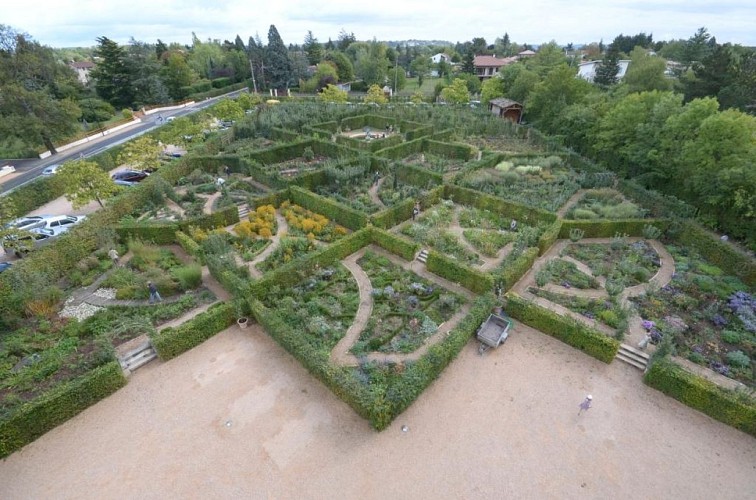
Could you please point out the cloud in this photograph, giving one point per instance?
(79, 22)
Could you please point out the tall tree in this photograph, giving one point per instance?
(84, 181)
(160, 49)
(257, 58)
(35, 95)
(372, 63)
(312, 48)
(468, 63)
(239, 44)
(144, 68)
(344, 66)
(278, 63)
(646, 72)
(607, 70)
(113, 79)
(345, 40)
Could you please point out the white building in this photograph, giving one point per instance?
(587, 70)
(437, 58)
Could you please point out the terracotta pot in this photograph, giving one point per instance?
(242, 322)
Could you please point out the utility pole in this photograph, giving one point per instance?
(396, 69)
(252, 70)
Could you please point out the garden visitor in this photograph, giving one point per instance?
(376, 177)
(154, 294)
(113, 254)
(416, 210)
(586, 404)
(513, 225)
(227, 171)
(219, 182)
(644, 343)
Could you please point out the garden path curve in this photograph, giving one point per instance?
(275, 241)
(208, 207)
(570, 202)
(373, 193)
(340, 354)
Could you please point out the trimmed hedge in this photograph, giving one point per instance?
(274, 198)
(658, 204)
(549, 237)
(568, 330)
(371, 146)
(702, 395)
(517, 269)
(188, 244)
(402, 150)
(522, 213)
(170, 342)
(282, 134)
(418, 133)
(165, 233)
(397, 245)
(450, 269)
(448, 150)
(377, 404)
(720, 253)
(403, 211)
(63, 402)
(338, 212)
(418, 176)
(608, 228)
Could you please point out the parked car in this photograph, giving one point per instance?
(4, 266)
(63, 221)
(51, 170)
(119, 182)
(41, 237)
(27, 223)
(130, 175)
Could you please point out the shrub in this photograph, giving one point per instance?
(170, 342)
(738, 359)
(576, 234)
(189, 277)
(702, 395)
(651, 232)
(731, 336)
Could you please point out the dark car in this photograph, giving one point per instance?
(130, 175)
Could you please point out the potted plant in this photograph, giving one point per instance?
(241, 315)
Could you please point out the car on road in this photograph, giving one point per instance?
(170, 118)
(51, 170)
(130, 175)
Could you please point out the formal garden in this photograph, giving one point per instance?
(335, 224)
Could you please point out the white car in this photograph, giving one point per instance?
(51, 170)
(60, 223)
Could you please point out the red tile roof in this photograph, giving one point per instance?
(82, 65)
(492, 61)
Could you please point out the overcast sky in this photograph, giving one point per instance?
(77, 23)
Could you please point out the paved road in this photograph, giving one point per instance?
(31, 168)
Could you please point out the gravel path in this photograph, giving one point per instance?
(237, 417)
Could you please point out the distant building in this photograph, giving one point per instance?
(488, 66)
(437, 58)
(587, 70)
(82, 69)
(506, 108)
(526, 53)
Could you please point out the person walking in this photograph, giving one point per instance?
(227, 171)
(586, 404)
(154, 294)
(113, 254)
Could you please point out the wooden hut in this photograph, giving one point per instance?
(506, 108)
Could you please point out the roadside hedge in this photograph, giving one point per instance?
(337, 212)
(522, 213)
(450, 269)
(720, 253)
(568, 330)
(609, 228)
(46, 412)
(172, 341)
(702, 395)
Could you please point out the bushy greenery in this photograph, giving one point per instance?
(698, 393)
(172, 341)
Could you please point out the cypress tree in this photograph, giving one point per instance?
(278, 63)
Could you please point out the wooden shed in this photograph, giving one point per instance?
(506, 108)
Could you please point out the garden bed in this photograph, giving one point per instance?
(605, 204)
(623, 263)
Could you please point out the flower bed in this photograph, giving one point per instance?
(605, 204)
(303, 222)
(429, 230)
(434, 162)
(710, 316)
(605, 311)
(407, 309)
(621, 262)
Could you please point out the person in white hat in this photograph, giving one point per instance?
(586, 404)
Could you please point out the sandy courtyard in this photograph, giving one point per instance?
(237, 417)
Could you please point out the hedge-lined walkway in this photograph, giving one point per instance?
(570, 203)
(373, 193)
(341, 354)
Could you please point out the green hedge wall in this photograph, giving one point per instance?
(720, 253)
(170, 342)
(317, 132)
(702, 395)
(397, 245)
(63, 402)
(568, 330)
(376, 122)
(513, 271)
(165, 233)
(282, 134)
(448, 150)
(549, 236)
(522, 213)
(419, 177)
(338, 212)
(377, 404)
(443, 136)
(418, 133)
(274, 198)
(608, 228)
(189, 245)
(450, 269)
(331, 126)
(401, 150)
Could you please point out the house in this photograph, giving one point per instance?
(82, 69)
(440, 57)
(525, 53)
(506, 108)
(587, 70)
(488, 66)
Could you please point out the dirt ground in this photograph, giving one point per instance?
(237, 417)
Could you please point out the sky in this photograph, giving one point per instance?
(77, 23)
